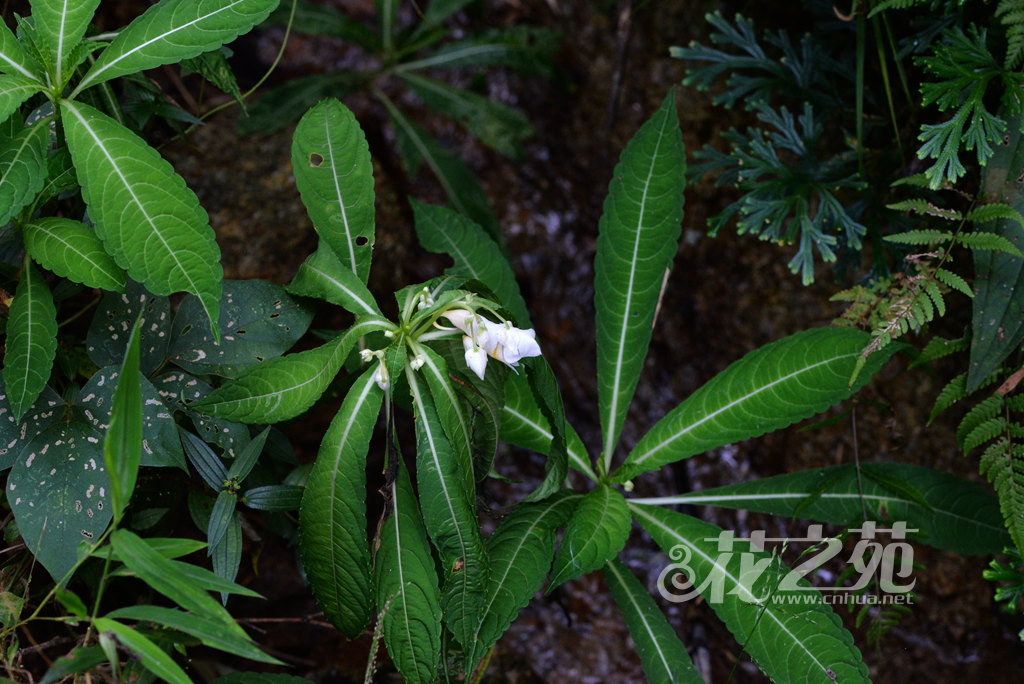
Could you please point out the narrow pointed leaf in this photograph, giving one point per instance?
(596, 533)
(519, 552)
(59, 492)
(802, 640)
(322, 275)
(639, 233)
(476, 255)
(527, 48)
(768, 389)
(22, 168)
(72, 250)
(226, 556)
(501, 128)
(450, 517)
(332, 517)
(331, 160)
(221, 517)
(150, 655)
(165, 576)
(173, 30)
(524, 425)
(31, 341)
(284, 387)
(61, 24)
(454, 418)
(960, 516)
(210, 632)
(662, 654)
(149, 221)
(14, 60)
(122, 448)
(544, 387)
(243, 464)
(408, 598)
(457, 180)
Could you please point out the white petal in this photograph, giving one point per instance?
(459, 317)
(476, 358)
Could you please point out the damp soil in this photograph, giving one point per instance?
(725, 297)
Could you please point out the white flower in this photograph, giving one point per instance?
(381, 377)
(365, 355)
(501, 341)
(417, 362)
(476, 357)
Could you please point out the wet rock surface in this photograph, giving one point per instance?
(725, 297)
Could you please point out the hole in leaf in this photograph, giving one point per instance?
(259, 359)
(362, 241)
(275, 315)
(316, 160)
(186, 329)
(240, 331)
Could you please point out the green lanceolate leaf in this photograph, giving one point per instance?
(458, 181)
(799, 640)
(226, 556)
(72, 250)
(148, 219)
(31, 341)
(15, 89)
(639, 232)
(284, 387)
(524, 425)
(498, 126)
(152, 657)
(59, 492)
(122, 448)
(334, 175)
(527, 48)
(950, 513)
(259, 321)
(210, 632)
(450, 517)
(173, 30)
(22, 168)
(998, 306)
(322, 275)
(168, 578)
(221, 517)
(455, 419)
(476, 255)
(408, 599)
(768, 389)
(60, 25)
(519, 552)
(14, 60)
(332, 518)
(596, 533)
(662, 654)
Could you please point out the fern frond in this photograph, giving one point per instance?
(994, 212)
(1011, 15)
(922, 206)
(895, 4)
(938, 348)
(988, 241)
(987, 431)
(980, 413)
(1003, 464)
(953, 281)
(954, 391)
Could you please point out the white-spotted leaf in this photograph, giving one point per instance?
(59, 492)
(47, 410)
(107, 339)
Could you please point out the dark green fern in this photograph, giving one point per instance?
(1011, 15)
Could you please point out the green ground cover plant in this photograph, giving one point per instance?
(188, 372)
